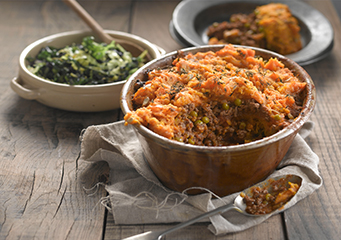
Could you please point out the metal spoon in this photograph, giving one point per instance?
(105, 37)
(238, 205)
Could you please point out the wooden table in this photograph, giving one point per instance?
(42, 178)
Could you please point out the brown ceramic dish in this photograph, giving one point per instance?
(222, 170)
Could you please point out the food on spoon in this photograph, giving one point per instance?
(88, 63)
(218, 98)
(264, 200)
(270, 26)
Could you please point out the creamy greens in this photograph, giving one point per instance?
(88, 63)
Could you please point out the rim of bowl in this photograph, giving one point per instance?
(308, 106)
(30, 47)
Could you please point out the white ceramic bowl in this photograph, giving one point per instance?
(86, 98)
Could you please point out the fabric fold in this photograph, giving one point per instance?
(138, 197)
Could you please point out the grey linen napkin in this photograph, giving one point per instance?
(136, 196)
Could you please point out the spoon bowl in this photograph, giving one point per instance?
(238, 205)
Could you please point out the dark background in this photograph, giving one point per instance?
(337, 4)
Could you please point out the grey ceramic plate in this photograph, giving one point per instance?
(191, 18)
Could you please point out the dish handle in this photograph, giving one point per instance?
(161, 50)
(22, 91)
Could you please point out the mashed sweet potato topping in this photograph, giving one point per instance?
(218, 98)
(270, 26)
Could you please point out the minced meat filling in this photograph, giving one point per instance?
(265, 200)
(217, 99)
(270, 26)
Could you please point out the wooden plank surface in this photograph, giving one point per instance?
(319, 216)
(42, 178)
(151, 21)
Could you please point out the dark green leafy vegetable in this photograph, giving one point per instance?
(88, 63)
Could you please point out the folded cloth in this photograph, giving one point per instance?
(136, 196)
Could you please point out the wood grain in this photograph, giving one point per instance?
(41, 177)
(151, 21)
(46, 191)
(270, 229)
(318, 216)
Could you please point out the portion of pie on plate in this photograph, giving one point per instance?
(270, 26)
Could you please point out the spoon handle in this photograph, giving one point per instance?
(87, 18)
(213, 212)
